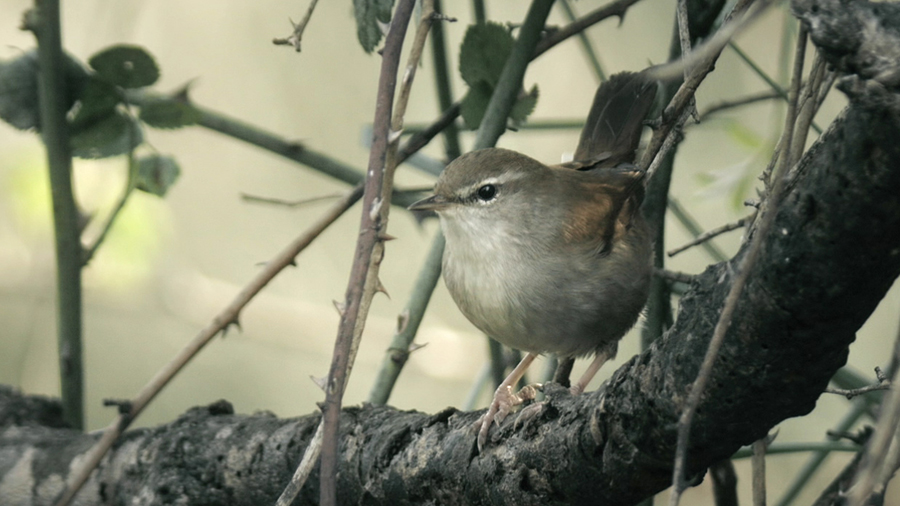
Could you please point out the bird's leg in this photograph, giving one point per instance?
(504, 399)
(591, 371)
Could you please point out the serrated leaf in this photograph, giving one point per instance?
(112, 135)
(19, 89)
(483, 53)
(524, 106)
(156, 174)
(168, 113)
(126, 66)
(371, 16)
(474, 104)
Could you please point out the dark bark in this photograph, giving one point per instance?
(834, 252)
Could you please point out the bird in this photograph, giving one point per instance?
(551, 258)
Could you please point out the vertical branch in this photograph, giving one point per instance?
(494, 122)
(758, 463)
(369, 248)
(443, 85)
(45, 24)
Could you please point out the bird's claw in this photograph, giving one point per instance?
(502, 405)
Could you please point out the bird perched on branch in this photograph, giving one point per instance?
(551, 259)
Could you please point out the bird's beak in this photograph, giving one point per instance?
(432, 203)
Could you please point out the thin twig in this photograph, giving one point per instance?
(246, 197)
(731, 104)
(808, 108)
(364, 281)
(743, 274)
(884, 383)
(228, 316)
(617, 8)
(758, 465)
(700, 239)
(702, 63)
(295, 38)
(310, 457)
(91, 250)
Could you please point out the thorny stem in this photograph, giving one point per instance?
(370, 245)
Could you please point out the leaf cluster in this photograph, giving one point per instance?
(101, 120)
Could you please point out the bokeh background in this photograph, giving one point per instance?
(171, 264)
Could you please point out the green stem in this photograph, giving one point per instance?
(478, 11)
(54, 130)
(89, 252)
(507, 90)
(442, 82)
(826, 447)
(398, 352)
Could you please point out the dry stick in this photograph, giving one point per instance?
(808, 108)
(740, 102)
(765, 224)
(617, 8)
(705, 236)
(758, 464)
(294, 38)
(880, 459)
(369, 248)
(225, 318)
(883, 384)
(673, 115)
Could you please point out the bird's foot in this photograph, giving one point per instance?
(502, 405)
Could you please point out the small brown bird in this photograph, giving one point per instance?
(551, 259)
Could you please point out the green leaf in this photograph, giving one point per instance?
(474, 104)
(156, 174)
(125, 66)
(524, 106)
(114, 134)
(19, 89)
(370, 16)
(170, 112)
(97, 101)
(484, 52)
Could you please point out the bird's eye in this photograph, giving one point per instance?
(486, 192)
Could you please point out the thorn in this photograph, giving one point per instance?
(123, 406)
(392, 135)
(385, 237)
(235, 322)
(416, 347)
(402, 321)
(320, 382)
(376, 209)
(379, 287)
(340, 306)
